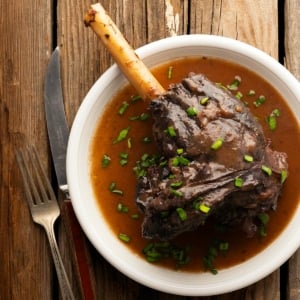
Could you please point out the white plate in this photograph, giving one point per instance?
(84, 202)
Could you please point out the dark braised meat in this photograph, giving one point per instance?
(216, 162)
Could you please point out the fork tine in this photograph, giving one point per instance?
(42, 178)
(24, 172)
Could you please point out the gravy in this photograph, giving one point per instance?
(284, 138)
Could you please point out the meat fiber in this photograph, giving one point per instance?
(215, 162)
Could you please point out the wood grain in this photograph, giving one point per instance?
(28, 32)
(292, 62)
(25, 264)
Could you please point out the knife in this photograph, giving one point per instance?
(58, 133)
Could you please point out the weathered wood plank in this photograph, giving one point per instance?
(84, 59)
(25, 264)
(292, 62)
(245, 21)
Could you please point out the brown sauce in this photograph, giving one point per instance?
(284, 138)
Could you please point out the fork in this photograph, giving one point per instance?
(43, 207)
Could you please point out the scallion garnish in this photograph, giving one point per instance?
(204, 208)
(176, 184)
(179, 151)
(122, 135)
(135, 98)
(176, 193)
(223, 246)
(272, 119)
(181, 213)
(233, 86)
(217, 144)
(238, 182)
(248, 158)
(114, 190)
(264, 220)
(239, 95)
(135, 216)
(191, 111)
(267, 170)
(180, 161)
(170, 72)
(146, 140)
(204, 100)
(272, 122)
(129, 144)
(164, 250)
(124, 237)
(105, 161)
(283, 176)
(209, 259)
(122, 208)
(171, 131)
(123, 108)
(259, 101)
(123, 158)
(251, 93)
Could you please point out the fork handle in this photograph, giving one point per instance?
(64, 283)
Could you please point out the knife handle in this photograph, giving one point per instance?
(81, 252)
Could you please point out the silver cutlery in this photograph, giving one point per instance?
(43, 207)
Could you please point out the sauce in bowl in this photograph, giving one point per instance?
(112, 163)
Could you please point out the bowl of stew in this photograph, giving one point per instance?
(102, 173)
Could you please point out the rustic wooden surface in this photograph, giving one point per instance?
(29, 30)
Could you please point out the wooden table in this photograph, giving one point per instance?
(29, 31)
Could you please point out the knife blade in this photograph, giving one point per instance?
(58, 133)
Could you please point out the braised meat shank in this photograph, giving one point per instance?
(216, 162)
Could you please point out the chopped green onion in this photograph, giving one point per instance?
(144, 116)
(208, 260)
(123, 108)
(267, 170)
(176, 193)
(135, 98)
(171, 131)
(259, 101)
(180, 161)
(112, 186)
(204, 100)
(176, 184)
(124, 237)
(276, 112)
(123, 158)
(122, 135)
(217, 144)
(135, 216)
(117, 191)
(248, 158)
(181, 213)
(224, 246)
(192, 111)
(238, 182)
(204, 208)
(272, 122)
(179, 151)
(239, 95)
(170, 72)
(283, 176)
(146, 140)
(251, 93)
(122, 208)
(264, 218)
(105, 161)
(113, 189)
(129, 144)
(233, 86)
